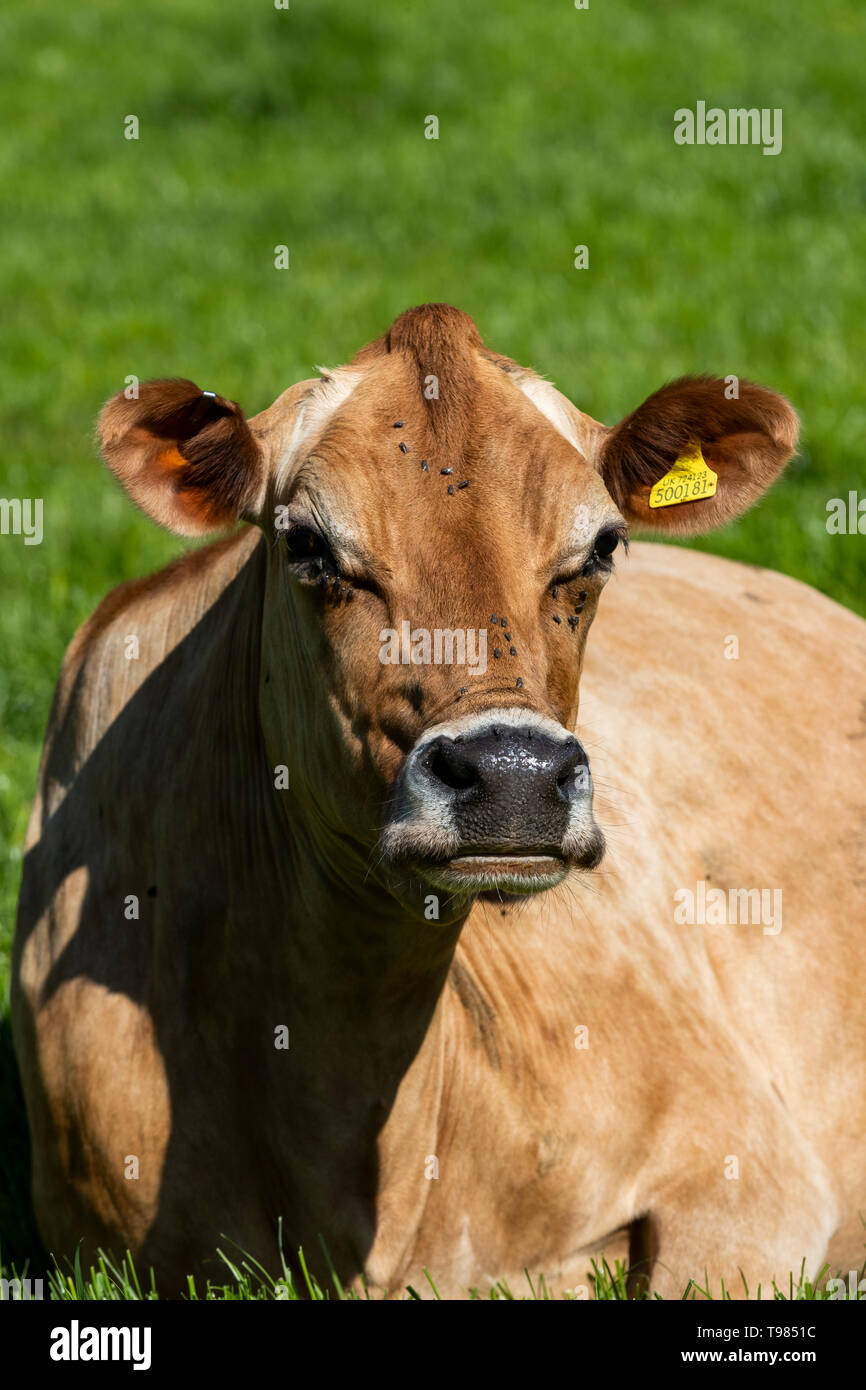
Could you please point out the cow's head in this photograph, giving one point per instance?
(439, 524)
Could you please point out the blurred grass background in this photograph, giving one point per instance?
(305, 127)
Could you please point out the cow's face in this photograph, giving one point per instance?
(439, 527)
(433, 575)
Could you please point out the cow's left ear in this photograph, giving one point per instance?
(187, 457)
(745, 440)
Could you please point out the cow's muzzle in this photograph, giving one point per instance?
(497, 802)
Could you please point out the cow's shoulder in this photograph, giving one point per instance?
(666, 598)
(726, 661)
(132, 631)
(723, 708)
(178, 593)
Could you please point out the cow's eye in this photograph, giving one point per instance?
(606, 543)
(309, 553)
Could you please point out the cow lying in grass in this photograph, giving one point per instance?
(312, 932)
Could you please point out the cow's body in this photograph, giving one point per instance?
(439, 1104)
(698, 1049)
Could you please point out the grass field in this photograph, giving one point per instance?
(238, 1278)
(305, 127)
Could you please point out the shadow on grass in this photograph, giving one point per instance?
(19, 1238)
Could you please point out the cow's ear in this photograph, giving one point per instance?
(745, 440)
(186, 456)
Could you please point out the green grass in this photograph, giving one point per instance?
(246, 1280)
(260, 127)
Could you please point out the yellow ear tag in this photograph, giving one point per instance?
(690, 479)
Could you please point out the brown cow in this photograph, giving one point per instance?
(254, 829)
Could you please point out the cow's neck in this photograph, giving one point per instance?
(312, 937)
(365, 967)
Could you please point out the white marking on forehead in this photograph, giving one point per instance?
(580, 430)
(583, 433)
(586, 521)
(324, 399)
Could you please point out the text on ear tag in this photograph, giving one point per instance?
(688, 480)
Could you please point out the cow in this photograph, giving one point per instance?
(411, 964)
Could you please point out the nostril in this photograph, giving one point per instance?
(573, 772)
(447, 764)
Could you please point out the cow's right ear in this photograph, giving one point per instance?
(187, 457)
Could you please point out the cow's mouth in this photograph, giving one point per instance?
(497, 871)
(496, 875)
(514, 863)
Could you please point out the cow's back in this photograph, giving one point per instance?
(724, 711)
(738, 772)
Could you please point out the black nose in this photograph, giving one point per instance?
(507, 787)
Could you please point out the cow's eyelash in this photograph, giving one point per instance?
(312, 561)
(601, 558)
(310, 555)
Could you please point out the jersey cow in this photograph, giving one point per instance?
(325, 918)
